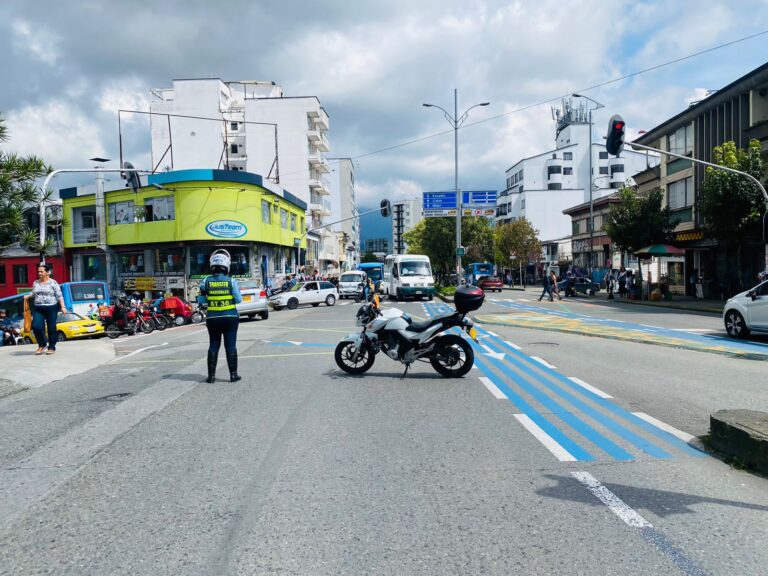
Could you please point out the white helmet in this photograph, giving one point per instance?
(220, 258)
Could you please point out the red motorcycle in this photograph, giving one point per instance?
(132, 321)
(178, 311)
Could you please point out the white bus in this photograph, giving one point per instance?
(408, 276)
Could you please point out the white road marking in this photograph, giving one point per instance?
(493, 389)
(478, 325)
(511, 345)
(493, 334)
(491, 353)
(543, 362)
(549, 443)
(137, 351)
(614, 503)
(198, 332)
(684, 436)
(294, 342)
(654, 327)
(693, 330)
(589, 387)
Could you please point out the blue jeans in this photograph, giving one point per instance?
(42, 317)
(222, 327)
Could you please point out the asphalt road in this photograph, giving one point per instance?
(537, 462)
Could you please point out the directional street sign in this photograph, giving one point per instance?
(474, 203)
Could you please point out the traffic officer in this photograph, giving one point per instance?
(221, 293)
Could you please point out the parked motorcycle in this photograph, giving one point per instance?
(10, 335)
(199, 314)
(134, 321)
(399, 337)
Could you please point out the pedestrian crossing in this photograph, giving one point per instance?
(572, 419)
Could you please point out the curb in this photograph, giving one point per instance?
(742, 436)
(705, 309)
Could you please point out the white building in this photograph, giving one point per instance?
(344, 207)
(406, 214)
(541, 187)
(250, 126)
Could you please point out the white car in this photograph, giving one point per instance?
(314, 292)
(254, 299)
(747, 312)
(349, 282)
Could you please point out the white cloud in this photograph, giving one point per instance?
(124, 94)
(40, 43)
(58, 131)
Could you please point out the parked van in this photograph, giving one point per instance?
(408, 276)
(349, 282)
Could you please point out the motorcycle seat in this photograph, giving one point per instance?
(426, 324)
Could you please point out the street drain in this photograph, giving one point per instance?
(115, 397)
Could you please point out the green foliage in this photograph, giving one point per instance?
(639, 220)
(18, 192)
(369, 257)
(447, 290)
(516, 241)
(731, 205)
(436, 238)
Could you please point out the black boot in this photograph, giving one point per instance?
(232, 364)
(211, 368)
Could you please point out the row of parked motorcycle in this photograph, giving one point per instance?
(145, 319)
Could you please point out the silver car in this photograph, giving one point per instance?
(349, 282)
(254, 299)
(747, 312)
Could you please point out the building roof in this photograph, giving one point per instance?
(611, 199)
(542, 154)
(747, 82)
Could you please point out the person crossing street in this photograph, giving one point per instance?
(221, 294)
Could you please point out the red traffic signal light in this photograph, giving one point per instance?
(614, 140)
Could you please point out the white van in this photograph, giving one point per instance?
(349, 282)
(408, 276)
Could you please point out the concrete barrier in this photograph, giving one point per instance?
(741, 435)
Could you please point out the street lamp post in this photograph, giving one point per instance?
(456, 121)
(590, 179)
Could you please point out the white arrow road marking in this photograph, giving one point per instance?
(492, 388)
(589, 387)
(684, 436)
(137, 351)
(491, 353)
(549, 443)
(543, 362)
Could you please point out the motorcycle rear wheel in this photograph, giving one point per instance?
(447, 359)
(113, 330)
(344, 354)
(147, 327)
(161, 322)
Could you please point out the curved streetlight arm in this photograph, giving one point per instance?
(448, 116)
(463, 117)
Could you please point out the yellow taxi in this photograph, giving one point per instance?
(69, 326)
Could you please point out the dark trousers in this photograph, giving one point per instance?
(42, 317)
(226, 327)
(546, 292)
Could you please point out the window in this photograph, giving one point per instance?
(616, 185)
(598, 222)
(521, 174)
(681, 140)
(169, 261)
(603, 169)
(522, 204)
(199, 256)
(554, 186)
(87, 291)
(20, 275)
(520, 190)
(157, 209)
(302, 224)
(603, 155)
(234, 126)
(2, 274)
(266, 214)
(554, 170)
(233, 148)
(293, 222)
(617, 168)
(568, 171)
(283, 217)
(93, 267)
(575, 227)
(554, 156)
(121, 213)
(680, 193)
(131, 263)
(567, 155)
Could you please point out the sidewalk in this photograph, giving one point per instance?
(22, 369)
(677, 303)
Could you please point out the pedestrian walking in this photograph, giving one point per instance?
(622, 282)
(48, 300)
(608, 279)
(222, 295)
(553, 284)
(547, 291)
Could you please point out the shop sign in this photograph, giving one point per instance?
(226, 229)
(144, 283)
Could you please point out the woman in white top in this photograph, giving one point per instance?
(48, 300)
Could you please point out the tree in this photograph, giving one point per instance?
(731, 205)
(516, 243)
(639, 220)
(369, 257)
(18, 192)
(477, 237)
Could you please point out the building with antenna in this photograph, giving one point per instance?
(251, 126)
(540, 187)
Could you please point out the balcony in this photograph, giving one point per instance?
(318, 162)
(321, 121)
(321, 206)
(319, 139)
(85, 235)
(319, 186)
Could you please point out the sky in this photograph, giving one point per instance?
(67, 67)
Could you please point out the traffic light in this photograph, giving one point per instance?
(614, 140)
(386, 208)
(131, 178)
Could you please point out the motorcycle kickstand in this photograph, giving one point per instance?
(405, 372)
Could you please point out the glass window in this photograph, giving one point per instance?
(121, 213)
(293, 222)
(93, 267)
(81, 292)
(283, 217)
(521, 174)
(326, 286)
(233, 148)
(234, 126)
(554, 186)
(266, 214)
(603, 169)
(169, 261)
(603, 155)
(157, 209)
(567, 155)
(2, 274)
(68, 317)
(415, 269)
(522, 203)
(680, 193)
(617, 168)
(310, 286)
(20, 274)
(200, 255)
(616, 185)
(554, 170)
(568, 171)
(131, 263)
(681, 140)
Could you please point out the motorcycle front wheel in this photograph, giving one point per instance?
(453, 356)
(113, 330)
(344, 356)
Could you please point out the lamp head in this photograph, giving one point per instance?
(427, 105)
(484, 103)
